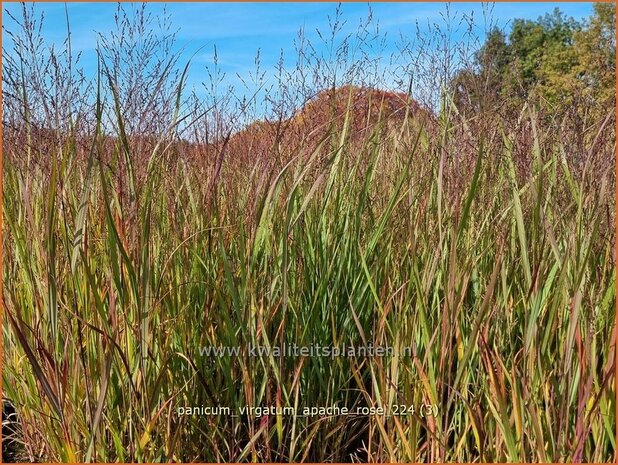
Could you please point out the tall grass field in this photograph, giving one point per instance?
(161, 248)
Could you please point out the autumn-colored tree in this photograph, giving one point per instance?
(555, 61)
(596, 52)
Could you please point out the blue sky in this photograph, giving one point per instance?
(238, 30)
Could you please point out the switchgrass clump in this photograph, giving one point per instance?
(483, 258)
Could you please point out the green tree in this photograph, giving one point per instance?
(478, 87)
(544, 57)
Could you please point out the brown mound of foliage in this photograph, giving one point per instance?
(366, 110)
(250, 157)
(245, 161)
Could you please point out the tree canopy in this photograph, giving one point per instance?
(554, 60)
